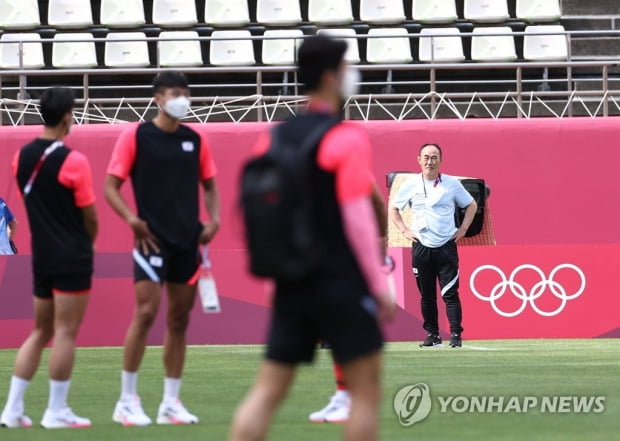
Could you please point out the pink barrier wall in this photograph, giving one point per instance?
(551, 183)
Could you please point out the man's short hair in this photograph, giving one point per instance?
(317, 55)
(168, 79)
(430, 144)
(55, 103)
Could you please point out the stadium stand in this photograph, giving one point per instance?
(495, 68)
(122, 13)
(179, 49)
(486, 11)
(223, 13)
(72, 14)
(174, 13)
(19, 15)
(73, 51)
(330, 12)
(443, 46)
(440, 11)
(487, 46)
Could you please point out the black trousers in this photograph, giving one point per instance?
(438, 264)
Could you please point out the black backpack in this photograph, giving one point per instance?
(277, 201)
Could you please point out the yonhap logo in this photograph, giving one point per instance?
(412, 403)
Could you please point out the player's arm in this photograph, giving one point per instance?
(347, 154)
(212, 194)
(470, 213)
(89, 213)
(212, 202)
(145, 239)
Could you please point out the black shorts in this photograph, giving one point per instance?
(167, 266)
(304, 315)
(45, 286)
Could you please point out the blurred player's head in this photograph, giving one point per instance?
(429, 159)
(171, 92)
(56, 107)
(323, 69)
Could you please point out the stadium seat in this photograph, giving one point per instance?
(382, 11)
(492, 48)
(330, 12)
(538, 10)
(69, 14)
(225, 52)
(447, 47)
(486, 11)
(178, 53)
(388, 50)
(352, 55)
(174, 13)
(32, 51)
(551, 47)
(74, 54)
(126, 53)
(434, 11)
(122, 13)
(227, 13)
(278, 12)
(19, 14)
(282, 51)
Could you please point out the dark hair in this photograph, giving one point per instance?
(168, 79)
(428, 144)
(55, 103)
(317, 55)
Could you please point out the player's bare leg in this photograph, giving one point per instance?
(364, 380)
(128, 410)
(253, 415)
(27, 362)
(181, 299)
(69, 310)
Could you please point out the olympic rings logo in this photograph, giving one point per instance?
(536, 291)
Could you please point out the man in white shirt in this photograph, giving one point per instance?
(433, 197)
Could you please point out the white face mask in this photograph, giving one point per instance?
(177, 107)
(350, 82)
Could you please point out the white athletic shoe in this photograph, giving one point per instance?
(173, 412)
(63, 419)
(13, 420)
(130, 413)
(336, 411)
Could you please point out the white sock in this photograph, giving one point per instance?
(172, 388)
(343, 394)
(129, 385)
(59, 390)
(15, 400)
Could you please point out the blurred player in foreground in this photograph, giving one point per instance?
(348, 296)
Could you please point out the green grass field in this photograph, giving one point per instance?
(216, 378)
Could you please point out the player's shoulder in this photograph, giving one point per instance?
(346, 138)
(349, 132)
(187, 131)
(76, 157)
